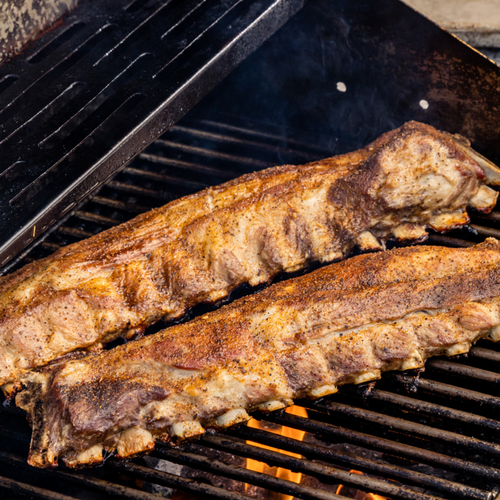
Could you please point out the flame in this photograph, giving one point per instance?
(257, 466)
(367, 496)
(295, 477)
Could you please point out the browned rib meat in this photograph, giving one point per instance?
(199, 248)
(345, 323)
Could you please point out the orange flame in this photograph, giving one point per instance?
(282, 473)
(367, 496)
(257, 466)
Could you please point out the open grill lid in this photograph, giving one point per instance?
(87, 96)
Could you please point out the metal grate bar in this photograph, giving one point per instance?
(406, 403)
(448, 241)
(49, 245)
(484, 354)
(358, 463)
(275, 458)
(262, 135)
(341, 434)
(74, 232)
(167, 179)
(199, 151)
(237, 141)
(493, 216)
(140, 191)
(486, 231)
(247, 475)
(456, 394)
(27, 490)
(132, 208)
(187, 166)
(21, 437)
(408, 427)
(444, 366)
(98, 219)
(173, 481)
(86, 481)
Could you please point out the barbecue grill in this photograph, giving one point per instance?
(333, 78)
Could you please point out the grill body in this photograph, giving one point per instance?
(333, 78)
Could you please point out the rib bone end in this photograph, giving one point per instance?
(232, 417)
(322, 391)
(274, 405)
(187, 430)
(449, 220)
(484, 200)
(413, 362)
(491, 171)
(365, 377)
(92, 456)
(461, 348)
(495, 333)
(410, 232)
(45, 459)
(134, 440)
(367, 242)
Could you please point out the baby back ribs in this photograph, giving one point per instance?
(345, 323)
(199, 248)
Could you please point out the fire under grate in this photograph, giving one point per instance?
(414, 436)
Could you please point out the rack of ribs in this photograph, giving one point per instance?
(344, 323)
(199, 248)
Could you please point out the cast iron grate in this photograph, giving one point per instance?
(91, 93)
(435, 436)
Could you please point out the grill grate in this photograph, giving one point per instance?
(431, 437)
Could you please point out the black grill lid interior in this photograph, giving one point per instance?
(91, 93)
(354, 70)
